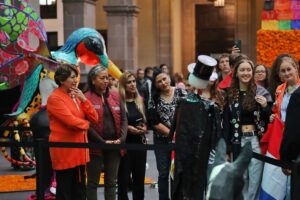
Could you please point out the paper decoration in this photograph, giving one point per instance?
(282, 5)
(296, 14)
(295, 24)
(269, 25)
(284, 24)
(269, 15)
(295, 5)
(285, 14)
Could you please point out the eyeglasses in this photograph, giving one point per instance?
(260, 71)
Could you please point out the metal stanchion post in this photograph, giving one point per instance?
(39, 148)
(295, 180)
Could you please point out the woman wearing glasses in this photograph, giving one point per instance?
(261, 75)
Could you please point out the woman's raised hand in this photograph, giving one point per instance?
(76, 92)
(261, 100)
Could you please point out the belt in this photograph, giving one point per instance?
(249, 134)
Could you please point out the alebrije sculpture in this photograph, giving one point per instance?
(25, 59)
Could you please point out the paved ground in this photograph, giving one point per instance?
(151, 172)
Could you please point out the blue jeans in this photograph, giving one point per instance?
(163, 163)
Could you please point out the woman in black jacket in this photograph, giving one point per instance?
(245, 118)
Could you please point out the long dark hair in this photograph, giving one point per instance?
(233, 95)
(155, 92)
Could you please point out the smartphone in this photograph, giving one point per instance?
(238, 44)
(139, 122)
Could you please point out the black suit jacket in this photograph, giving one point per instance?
(290, 145)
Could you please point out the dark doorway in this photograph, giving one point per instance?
(52, 40)
(215, 28)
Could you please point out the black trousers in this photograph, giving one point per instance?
(133, 163)
(71, 184)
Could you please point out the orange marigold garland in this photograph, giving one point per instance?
(271, 43)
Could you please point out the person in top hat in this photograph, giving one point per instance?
(201, 71)
(194, 141)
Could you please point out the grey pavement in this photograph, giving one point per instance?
(151, 172)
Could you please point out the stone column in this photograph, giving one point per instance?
(78, 14)
(163, 32)
(122, 35)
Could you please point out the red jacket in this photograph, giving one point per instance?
(114, 105)
(69, 124)
(226, 82)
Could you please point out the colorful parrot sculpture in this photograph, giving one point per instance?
(24, 52)
(25, 58)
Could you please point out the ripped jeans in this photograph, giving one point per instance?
(253, 175)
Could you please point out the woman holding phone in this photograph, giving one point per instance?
(134, 162)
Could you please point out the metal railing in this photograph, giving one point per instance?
(40, 145)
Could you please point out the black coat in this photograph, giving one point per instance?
(232, 121)
(290, 145)
(198, 127)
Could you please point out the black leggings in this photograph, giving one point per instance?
(133, 163)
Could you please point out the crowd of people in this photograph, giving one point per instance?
(123, 111)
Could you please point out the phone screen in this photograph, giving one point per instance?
(238, 44)
(139, 121)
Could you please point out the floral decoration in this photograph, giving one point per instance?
(271, 43)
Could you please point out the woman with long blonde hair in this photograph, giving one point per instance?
(134, 162)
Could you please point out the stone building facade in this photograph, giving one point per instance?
(144, 33)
